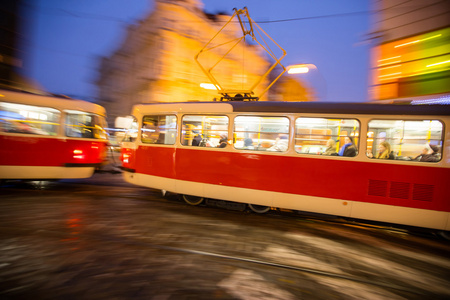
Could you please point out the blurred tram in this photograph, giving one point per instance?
(48, 138)
(291, 156)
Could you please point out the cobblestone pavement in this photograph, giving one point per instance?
(101, 238)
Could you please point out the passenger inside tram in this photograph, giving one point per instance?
(384, 151)
(349, 148)
(430, 153)
(223, 142)
(330, 148)
(248, 144)
(281, 144)
(197, 138)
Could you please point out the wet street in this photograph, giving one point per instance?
(101, 238)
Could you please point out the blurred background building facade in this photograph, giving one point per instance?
(15, 20)
(411, 58)
(10, 54)
(155, 62)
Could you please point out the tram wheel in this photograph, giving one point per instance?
(259, 209)
(193, 200)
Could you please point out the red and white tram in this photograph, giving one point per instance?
(46, 138)
(292, 156)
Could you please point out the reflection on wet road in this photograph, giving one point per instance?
(103, 239)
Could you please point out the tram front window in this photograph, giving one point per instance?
(406, 139)
(85, 125)
(261, 133)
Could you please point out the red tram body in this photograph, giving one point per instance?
(160, 153)
(45, 137)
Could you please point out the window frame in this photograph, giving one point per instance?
(185, 137)
(258, 147)
(28, 122)
(170, 130)
(402, 157)
(95, 127)
(338, 136)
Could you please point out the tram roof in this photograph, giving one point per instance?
(298, 107)
(50, 101)
(340, 108)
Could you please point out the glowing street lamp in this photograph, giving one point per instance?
(305, 68)
(301, 68)
(297, 69)
(209, 86)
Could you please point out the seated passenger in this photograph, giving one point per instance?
(197, 139)
(349, 148)
(223, 142)
(248, 144)
(430, 153)
(281, 143)
(331, 148)
(384, 151)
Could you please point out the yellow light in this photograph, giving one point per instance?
(390, 58)
(390, 63)
(418, 41)
(77, 151)
(300, 69)
(389, 78)
(392, 74)
(209, 86)
(439, 63)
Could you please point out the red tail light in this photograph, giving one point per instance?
(78, 154)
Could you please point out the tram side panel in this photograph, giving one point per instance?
(415, 186)
(25, 157)
(241, 175)
(414, 195)
(398, 193)
(151, 166)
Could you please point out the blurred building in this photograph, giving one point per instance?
(411, 59)
(155, 62)
(15, 20)
(9, 37)
(290, 88)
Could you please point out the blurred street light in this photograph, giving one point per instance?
(209, 86)
(297, 69)
(305, 68)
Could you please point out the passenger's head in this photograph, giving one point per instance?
(384, 146)
(434, 148)
(248, 142)
(427, 149)
(331, 143)
(348, 140)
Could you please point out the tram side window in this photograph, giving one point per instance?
(419, 140)
(159, 129)
(205, 131)
(323, 136)
(85, 125)
(28, 119)
(261, 133)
